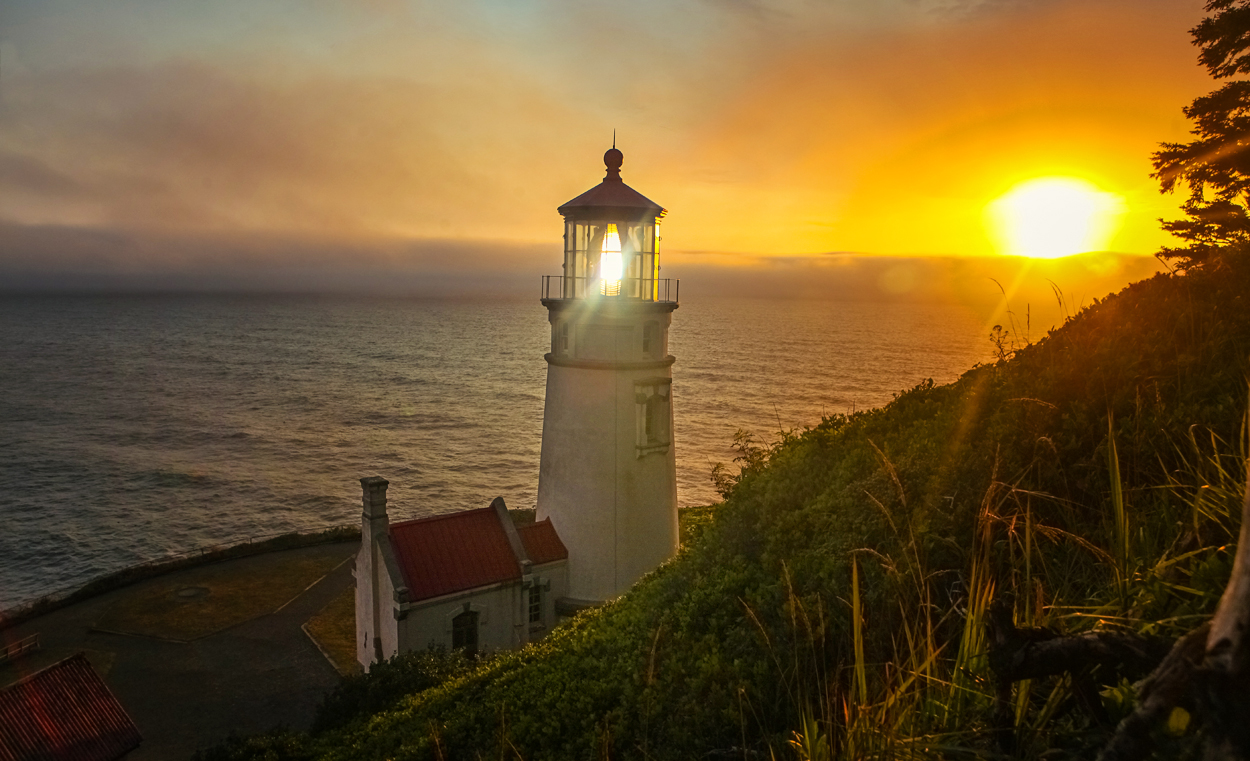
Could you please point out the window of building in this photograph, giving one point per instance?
(651, 400)
(464, 632)
(650, 338)
(536, 605)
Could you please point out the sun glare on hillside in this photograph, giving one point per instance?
(1052, 217)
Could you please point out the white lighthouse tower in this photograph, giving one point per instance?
(607, 478)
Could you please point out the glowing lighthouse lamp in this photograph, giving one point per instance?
(607, 475)
(610, 263)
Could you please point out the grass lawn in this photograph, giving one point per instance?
(195, 603)
(334, 629)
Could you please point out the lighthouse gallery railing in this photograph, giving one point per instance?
(665, 290)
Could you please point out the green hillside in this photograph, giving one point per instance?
(835, 604)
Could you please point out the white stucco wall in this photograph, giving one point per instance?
(503, 613)
(554, 578)
(429, 621)
(363, 572)
(375, 600)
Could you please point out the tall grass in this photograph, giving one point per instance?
(1119, 517)
(921, 702)
(926, 701)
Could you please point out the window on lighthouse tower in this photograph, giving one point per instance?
(649, 331)
(651, 400)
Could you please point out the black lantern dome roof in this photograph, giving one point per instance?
(612, 198)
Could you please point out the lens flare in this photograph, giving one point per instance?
(1052, 217)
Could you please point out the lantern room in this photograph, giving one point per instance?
(607, 476)
(611, 243)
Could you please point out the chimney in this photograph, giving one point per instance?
(374, 528)
(374, 497)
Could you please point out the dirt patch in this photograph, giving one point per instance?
(334, 631)
(200, 601)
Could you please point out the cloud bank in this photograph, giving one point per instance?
(147, 144)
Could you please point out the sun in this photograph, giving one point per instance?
(1051, 217)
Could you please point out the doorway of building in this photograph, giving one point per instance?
(464, 632)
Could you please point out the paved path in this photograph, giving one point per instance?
(188, 695)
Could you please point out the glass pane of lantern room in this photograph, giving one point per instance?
(629, 254)
(581, 270)
(655, 261)
(570, 260)
(646, 263)
(594, 254)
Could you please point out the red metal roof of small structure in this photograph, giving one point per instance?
(64, 713)
(453, 552)
(542, 543)
(459, 551)
(612, 197)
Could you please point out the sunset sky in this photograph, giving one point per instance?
(817, 148)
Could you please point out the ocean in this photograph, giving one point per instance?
(135, 427)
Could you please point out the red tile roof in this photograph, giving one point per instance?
(64, 713)
(542, 543)
(459, 551)
(452, 553)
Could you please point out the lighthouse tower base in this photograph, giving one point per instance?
(607, 477)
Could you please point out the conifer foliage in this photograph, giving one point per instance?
(1215, 166)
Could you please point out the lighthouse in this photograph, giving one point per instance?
(607, 477)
